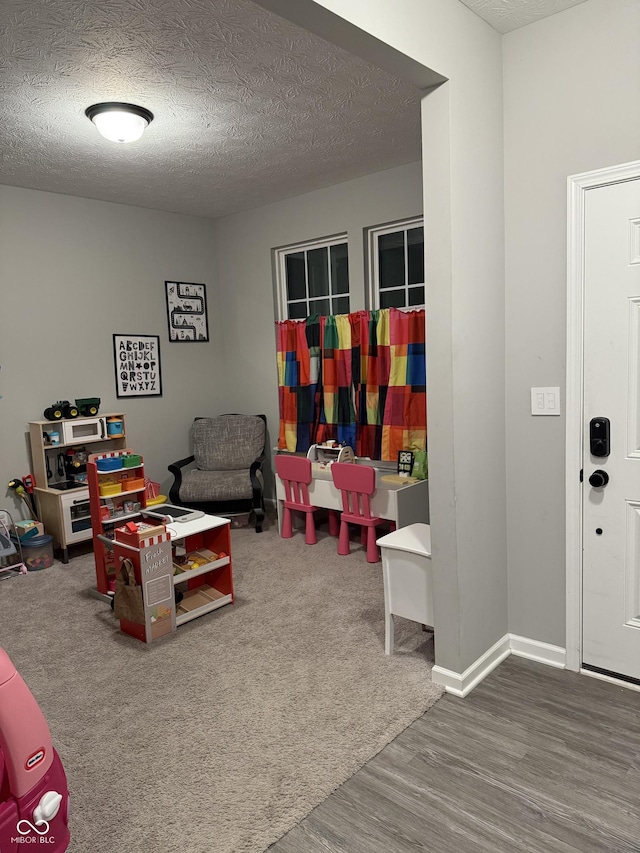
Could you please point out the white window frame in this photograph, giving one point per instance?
(373, 267)
(280, 256)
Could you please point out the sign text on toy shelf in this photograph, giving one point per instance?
(159, 558)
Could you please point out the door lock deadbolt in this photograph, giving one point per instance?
(599, 479)
(599, 440)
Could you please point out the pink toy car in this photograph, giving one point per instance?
(34, 799)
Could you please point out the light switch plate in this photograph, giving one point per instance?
(545, 401)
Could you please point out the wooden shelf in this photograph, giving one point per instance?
(197, 602)
(182, 577)
(80, 441)
(117, 470)
(119, 518)
(120, 494)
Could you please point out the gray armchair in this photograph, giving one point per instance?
(228, 453)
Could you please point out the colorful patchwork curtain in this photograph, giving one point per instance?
(359, 378)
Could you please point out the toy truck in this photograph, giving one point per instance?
(61, 409)
(88, 406)
(34, 799)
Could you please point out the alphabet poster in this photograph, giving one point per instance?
(137, 365)
(187, 311)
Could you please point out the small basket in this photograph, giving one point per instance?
(133, 484)
(152, 489)
(110, 464)
(131, 460)
(108, 489)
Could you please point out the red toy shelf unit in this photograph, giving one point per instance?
(210, 585)
(116, 494)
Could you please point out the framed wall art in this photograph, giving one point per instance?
(187, 312)
(137, 365)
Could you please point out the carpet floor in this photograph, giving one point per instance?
(221, 737)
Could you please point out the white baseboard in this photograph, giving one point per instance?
(545, 653)
(461, 684)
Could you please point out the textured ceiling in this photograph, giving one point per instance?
(507, 15)
(249, 109)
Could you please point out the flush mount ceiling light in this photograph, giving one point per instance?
(119, 122)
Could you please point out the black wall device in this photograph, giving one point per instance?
(599, 437)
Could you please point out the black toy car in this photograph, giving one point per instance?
(61, 409)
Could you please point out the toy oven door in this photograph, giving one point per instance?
(76, 515)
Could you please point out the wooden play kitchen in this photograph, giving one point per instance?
(59, 450)
(153, 551)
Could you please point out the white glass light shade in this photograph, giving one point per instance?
(119, 122)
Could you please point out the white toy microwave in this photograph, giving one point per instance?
(83, 430)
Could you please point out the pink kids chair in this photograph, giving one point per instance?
(34, 799)
(296, 474)
(357, 483)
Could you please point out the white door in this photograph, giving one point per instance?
(611, 511)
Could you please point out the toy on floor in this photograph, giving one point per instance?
(34, 799)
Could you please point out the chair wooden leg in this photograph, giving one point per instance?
(364, 536)
(310, 529)
(373, 552)
(334, 523)
(343, 540)
(287, 527)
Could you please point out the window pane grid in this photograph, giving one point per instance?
(397, 265)
(315, 279)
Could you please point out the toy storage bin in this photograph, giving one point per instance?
(37, 552)
(131, 460)
(110, 464)
(407, 577)
(132, 484)
(108, 489)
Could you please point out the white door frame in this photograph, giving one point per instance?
(577, 186)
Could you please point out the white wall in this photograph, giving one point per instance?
(463, 204)
(571, 86)
(243, 251)
(73, 272)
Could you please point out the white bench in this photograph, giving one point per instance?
(408, 578)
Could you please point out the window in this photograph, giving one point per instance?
(396, 265)
(313, 278)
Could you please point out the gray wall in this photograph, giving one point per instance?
(73, 272)
(463, 204)
(243, 251)
(571, 84)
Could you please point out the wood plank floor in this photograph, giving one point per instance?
(535, 759)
